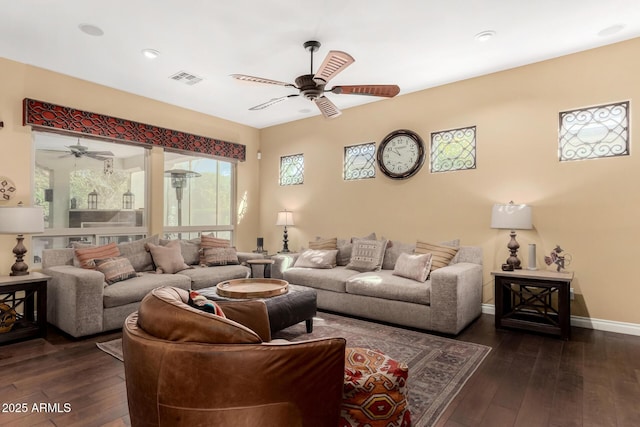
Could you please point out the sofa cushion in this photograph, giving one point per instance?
(393, 251)
(383, 284)
(115, 269)
(367, 255)
(312, 258)
(441, 254)
(87, 255)
(206, 277)
(190, 250)
(137, 254)
(134, 289)
(324, 243)
(220, 256)
(167, 259)
(413, 266)
(328, 279)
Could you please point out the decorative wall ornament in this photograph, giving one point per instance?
(558, 258)
(7, 189)
(51, 117)
(453, 150)
(359, 161)
(108, 166)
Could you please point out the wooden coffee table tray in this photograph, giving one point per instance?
(252, 288)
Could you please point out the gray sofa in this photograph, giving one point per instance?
(80, 302)
(447, 302)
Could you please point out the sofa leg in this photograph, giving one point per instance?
(309, 323)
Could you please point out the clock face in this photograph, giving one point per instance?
(401, 154)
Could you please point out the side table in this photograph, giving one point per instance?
(27, 295)
(265, 262)
(534, 300)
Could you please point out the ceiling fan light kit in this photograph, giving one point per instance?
(312, 86)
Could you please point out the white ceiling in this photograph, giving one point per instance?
(415, 44)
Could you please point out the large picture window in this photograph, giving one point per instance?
(199, 196)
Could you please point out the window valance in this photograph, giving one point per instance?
(47, 116)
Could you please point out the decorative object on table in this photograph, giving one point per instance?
(21, 220)
(401, 154)
(7, 189)
(260, 245)
(285, 218)
(511, 217)
(558, 258)
(74, 203)
(179, 181)
(128, 200)
(532, 257)
(92, 200)
(7, 318)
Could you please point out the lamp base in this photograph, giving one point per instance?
(285, 241)
(19, 268)
(513, 261)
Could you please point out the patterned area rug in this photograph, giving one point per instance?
(438, 367)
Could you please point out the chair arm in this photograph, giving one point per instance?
(252, 314)
(75, 299)
(456, 296)
(282, 262)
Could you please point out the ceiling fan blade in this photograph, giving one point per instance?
(100, 153)
(96, 156)
(328, 108)
(335, 62)
(388, 91)
(246, 78)
(271, 102)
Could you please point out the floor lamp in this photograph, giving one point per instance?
(179, 181)
(285, 218)
(21, 220)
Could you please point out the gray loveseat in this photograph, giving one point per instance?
(80, 302)
(447, 302)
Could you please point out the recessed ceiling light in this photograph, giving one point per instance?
(609, 31)
(150, 53)
(485, 35)
(91, 30)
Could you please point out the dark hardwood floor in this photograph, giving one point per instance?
(526, 380)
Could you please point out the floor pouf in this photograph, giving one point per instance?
(375, 390)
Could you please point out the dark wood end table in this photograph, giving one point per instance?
(27, 295)
(534, 300)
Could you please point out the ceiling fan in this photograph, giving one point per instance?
(79, 151)
(312, 86)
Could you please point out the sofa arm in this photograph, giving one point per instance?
(456, 296)
(282, 262)
(75, 299)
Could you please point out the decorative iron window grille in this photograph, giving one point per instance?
(595, 132)
(453, 150)
(359, 161)
(292, 169)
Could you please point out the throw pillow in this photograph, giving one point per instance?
(367, 255)
(326, 244)
(86, 256)
(317, 258)
(416, 267)
(344, 252)
(393, 252)
(190, 250)
(202, 303)
(137, 254)
(441, 255)
(115, 269)
(207, 241)
(220, 256)
(168, 259)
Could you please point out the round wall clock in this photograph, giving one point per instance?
(401, 154)
(7, 188)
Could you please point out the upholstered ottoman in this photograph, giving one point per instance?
(375, 390)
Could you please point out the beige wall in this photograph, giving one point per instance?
(590, 208)
(21, 81)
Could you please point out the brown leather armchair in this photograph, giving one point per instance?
(186, 367)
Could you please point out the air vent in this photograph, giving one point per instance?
(186, 78)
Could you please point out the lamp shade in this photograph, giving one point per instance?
(285, 218)
(511, 217)
(21, 220)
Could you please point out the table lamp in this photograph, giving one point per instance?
(511, 217)
(21, 220)
(285, 218)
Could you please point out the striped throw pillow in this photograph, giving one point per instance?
(86, 256)
(324, 244)
(115, 269)
(441, 255)
(214, 242)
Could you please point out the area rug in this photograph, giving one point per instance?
(438, 367)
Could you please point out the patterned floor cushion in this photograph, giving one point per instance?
(375, 390)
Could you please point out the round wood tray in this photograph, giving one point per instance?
(252, 288)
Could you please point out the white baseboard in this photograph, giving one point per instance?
(589, 323)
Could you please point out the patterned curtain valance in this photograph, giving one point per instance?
(44, 115)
